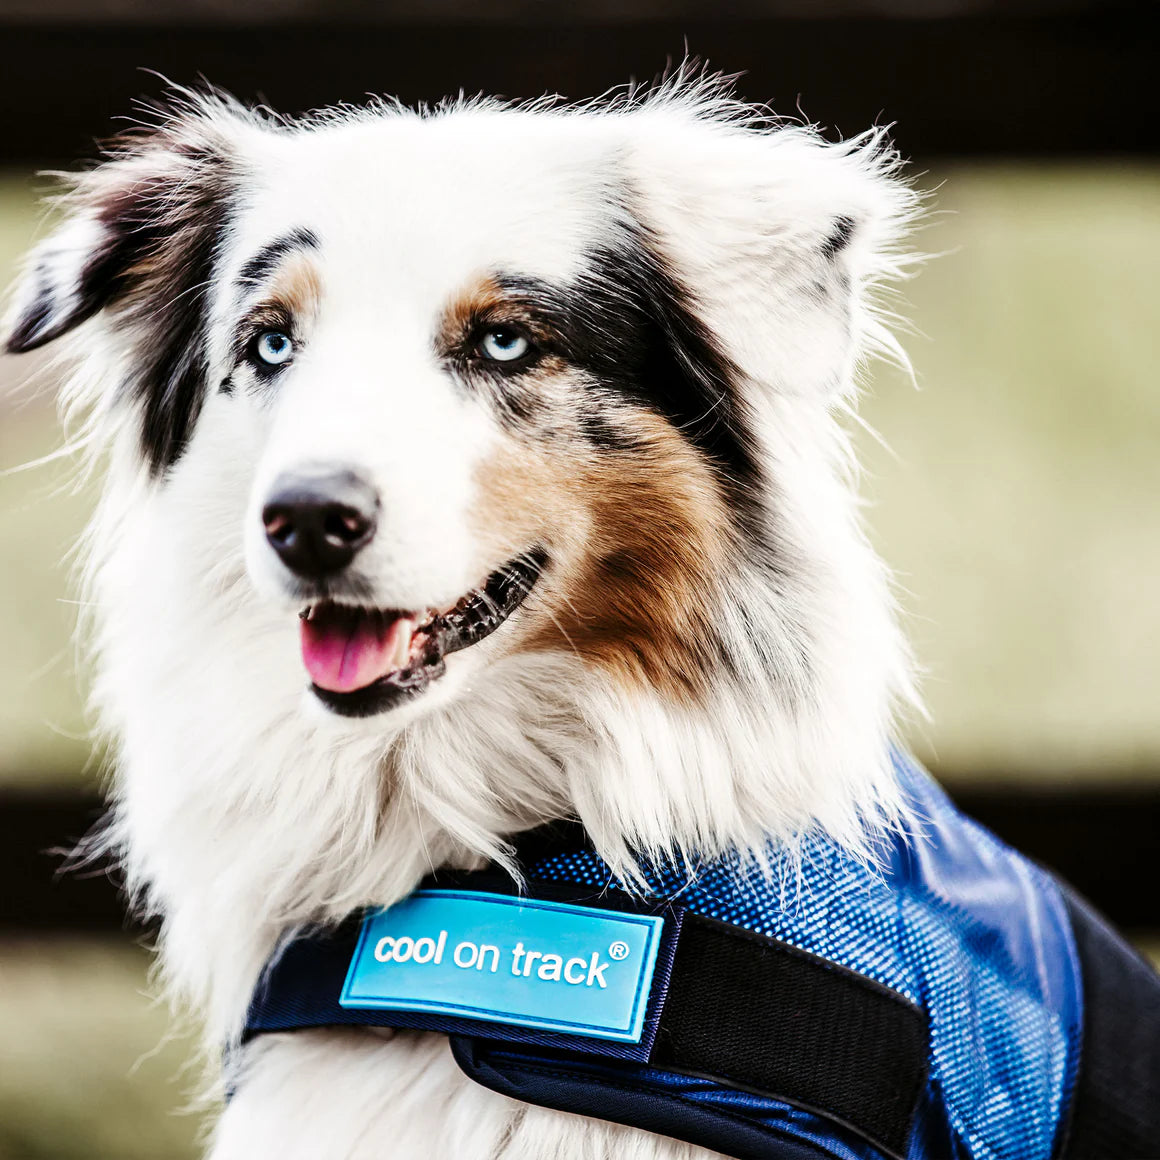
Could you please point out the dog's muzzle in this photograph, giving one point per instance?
(363, 659)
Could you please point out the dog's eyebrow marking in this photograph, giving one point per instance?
(472, 303)
(258, 267)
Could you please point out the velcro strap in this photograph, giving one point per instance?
(762, 1016)
(719, 1002)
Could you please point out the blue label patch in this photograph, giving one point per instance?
(549, 966)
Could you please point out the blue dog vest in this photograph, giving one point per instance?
(952, 1002)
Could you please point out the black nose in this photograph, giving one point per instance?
(317, 523)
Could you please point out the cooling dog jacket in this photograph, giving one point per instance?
(949, 1001)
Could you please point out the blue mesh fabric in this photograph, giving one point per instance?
(954, 920)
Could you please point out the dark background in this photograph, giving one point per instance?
(1028, 79)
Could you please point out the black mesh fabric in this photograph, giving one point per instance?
(759, 1014)
(1116, 1106)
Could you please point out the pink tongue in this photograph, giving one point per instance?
(347, 652)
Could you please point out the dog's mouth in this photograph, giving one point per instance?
(363, 661)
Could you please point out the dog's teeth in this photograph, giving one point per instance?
(404, 633)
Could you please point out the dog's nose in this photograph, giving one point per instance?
(318, 523)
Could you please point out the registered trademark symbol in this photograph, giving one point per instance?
(618, 950)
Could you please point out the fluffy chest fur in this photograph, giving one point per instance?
(466, 471)
(351, 1094)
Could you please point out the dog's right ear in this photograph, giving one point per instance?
(138, 244)
(65, 282)
(119, 218)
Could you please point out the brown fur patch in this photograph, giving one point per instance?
(479, 300)
(527, 400)
(636, 539)
(297, 287)
(292, 302)
(294, 295)
(481, 304)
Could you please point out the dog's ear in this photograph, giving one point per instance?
(779, 237)
(62, 285)
(139, 208)
(137, 246)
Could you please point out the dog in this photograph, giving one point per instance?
(468, 471)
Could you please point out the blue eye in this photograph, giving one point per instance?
(502, 345)
(274, 347)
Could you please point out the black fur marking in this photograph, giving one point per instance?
(523, 409)
(227, 385)
(839, 237)
(151, 269)
(177, 248)
(30, 330)
(599, 426)
(631, 326)
(97, 286)
(172, 383)
(259, 267)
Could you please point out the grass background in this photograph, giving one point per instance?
(90, 1068)
(1019, 505)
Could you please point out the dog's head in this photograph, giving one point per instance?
(457, 399)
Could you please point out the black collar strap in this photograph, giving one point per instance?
(745, 1012)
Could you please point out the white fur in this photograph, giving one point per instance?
(244, 809)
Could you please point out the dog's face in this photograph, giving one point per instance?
(414, 398)
(468, 374)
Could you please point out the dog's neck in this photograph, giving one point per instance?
(236, 854)
(241, 815)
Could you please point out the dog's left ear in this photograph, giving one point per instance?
(779, 238)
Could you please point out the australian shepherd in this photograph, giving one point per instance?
(467, 469)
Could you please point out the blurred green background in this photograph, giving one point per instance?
(1015, 493)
